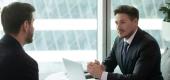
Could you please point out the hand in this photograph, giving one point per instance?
(97, 62)
(102, 66)
(95, 69)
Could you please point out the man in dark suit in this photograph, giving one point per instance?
(135, 51)
(15, 64)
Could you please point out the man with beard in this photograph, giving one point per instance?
(135, 51)
(15, 64)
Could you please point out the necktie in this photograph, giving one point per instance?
(124, 51)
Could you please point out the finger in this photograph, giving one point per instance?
(90, 66)
(97, 62)
(90, 70)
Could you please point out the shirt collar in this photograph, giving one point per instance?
(129, 40)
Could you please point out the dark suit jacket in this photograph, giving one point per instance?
(143, 59)
(15, 64)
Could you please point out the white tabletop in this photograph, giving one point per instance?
(59, 76)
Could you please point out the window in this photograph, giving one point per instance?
(63, 28)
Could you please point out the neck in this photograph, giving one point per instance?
(131, 34)
(18, 38)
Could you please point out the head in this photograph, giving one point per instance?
(126, 19)
(18, 18)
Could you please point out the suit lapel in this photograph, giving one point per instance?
(119, 58)
(132, 50)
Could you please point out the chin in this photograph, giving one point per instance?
(121, 36)
(28, 41)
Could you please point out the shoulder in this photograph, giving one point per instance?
(6, 52)
(143, 41)
(145, 38)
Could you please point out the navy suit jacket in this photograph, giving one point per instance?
(143, 59)
(15, 64)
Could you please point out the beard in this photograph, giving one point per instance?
(29, 38)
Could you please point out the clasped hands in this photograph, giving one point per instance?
(95, 69)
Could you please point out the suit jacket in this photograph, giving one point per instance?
(143, 59)
(15, 64)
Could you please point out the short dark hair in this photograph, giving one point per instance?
(14, 15)
(131, 11)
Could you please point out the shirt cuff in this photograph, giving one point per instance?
(104, 76)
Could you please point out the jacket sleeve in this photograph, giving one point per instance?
(110, 62)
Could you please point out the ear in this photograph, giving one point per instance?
(25, 26)
(136, 21)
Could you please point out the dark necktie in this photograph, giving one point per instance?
(124, 51)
